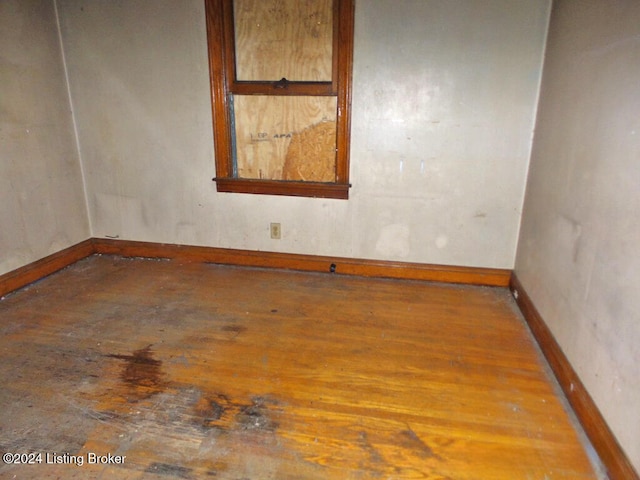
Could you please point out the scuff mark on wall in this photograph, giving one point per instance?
(442, 241)
(571, 231)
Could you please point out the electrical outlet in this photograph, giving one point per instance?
(276, 233)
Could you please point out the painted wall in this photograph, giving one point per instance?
(42, 205)
(578, 254)
(443, 112)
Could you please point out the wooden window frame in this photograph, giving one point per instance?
(222, 68)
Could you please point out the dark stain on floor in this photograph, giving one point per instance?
(409, 439)
(256, 416)
(365, 444)
(220, 412)
(141, 373)
(235, 330)
(169, 470)
(210, 410)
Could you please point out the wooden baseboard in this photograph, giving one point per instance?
(46, 266)
(604, 442)
(344, 266)
(366, 268)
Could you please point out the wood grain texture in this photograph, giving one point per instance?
(615, 460)
(314, 263)
(218, 60)
(269, 131)
(206, 371)
(289, 188)
(344, 77)
(311, 155)
(289, 39)
(314, 89)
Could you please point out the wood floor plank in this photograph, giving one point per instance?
(192, 370)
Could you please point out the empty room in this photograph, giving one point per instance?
(320, 239)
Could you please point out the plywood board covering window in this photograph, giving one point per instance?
(288, 138)
(281, 95)
(289, 39)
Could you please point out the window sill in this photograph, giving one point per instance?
(277, 187)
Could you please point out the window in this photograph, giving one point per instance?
(281, 95)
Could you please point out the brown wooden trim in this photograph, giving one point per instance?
(345, 74)
(46, 266)
(345, 266)
(361, 267)
(611, 453)
(224, 84)
(275, 187)
(219, 98)
(316, 89)
(335, 43)
(229, 41)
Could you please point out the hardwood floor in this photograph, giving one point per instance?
(189, 370)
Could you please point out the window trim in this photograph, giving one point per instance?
(220, 39)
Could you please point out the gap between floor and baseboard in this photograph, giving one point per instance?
(604, 442)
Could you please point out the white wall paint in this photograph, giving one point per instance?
(444, 102)
(443, 107)
(578, 255)
(42, 207)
